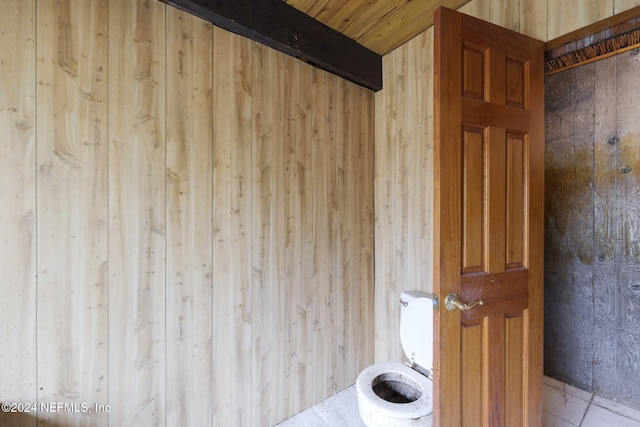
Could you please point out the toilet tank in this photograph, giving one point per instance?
(416, 328)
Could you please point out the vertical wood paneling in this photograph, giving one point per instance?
(73, 73)
(591, 230)
(137, 385)
(362, 308)
(295, 197)
(403, 183)
(559, 125)
(566, 16)
(323, 280)
(411, 151)
(195, 266)
(268, 236)
(622, 5)
(404, 154)
(17, 210)
(387, 340)
(581, 226)
(569, 227)
(628, 224)
(299, 245)
(232, 230)
(478, 8)
(533, 18)
(189, 212)
(359, 281)
(544, 19)
(606, 244)
(426, 175)
(72, 207)
(345, 202)
(506, 13)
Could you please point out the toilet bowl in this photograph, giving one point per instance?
(394, 394)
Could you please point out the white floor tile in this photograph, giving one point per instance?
(340, 410)
(307, 418)
(598, 416)
(550, 420)
(564, 404)
(634, 414)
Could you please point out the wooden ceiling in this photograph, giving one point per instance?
(380, 25)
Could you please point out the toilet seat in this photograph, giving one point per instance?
(421, 407)
(392, 394)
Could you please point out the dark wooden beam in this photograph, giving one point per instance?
(283, 27)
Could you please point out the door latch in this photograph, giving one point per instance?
(452, 301)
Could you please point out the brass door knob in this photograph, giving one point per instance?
(452, 301)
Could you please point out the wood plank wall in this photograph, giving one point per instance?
(186, 220)
(404, 156)
(592, 262)
(18, 364)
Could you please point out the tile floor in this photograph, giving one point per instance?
(564, 406)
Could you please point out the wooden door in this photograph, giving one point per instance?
(489, 151)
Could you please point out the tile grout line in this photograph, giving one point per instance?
(593, 395)
(314, 408)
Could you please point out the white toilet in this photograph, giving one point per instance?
(393, 394)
